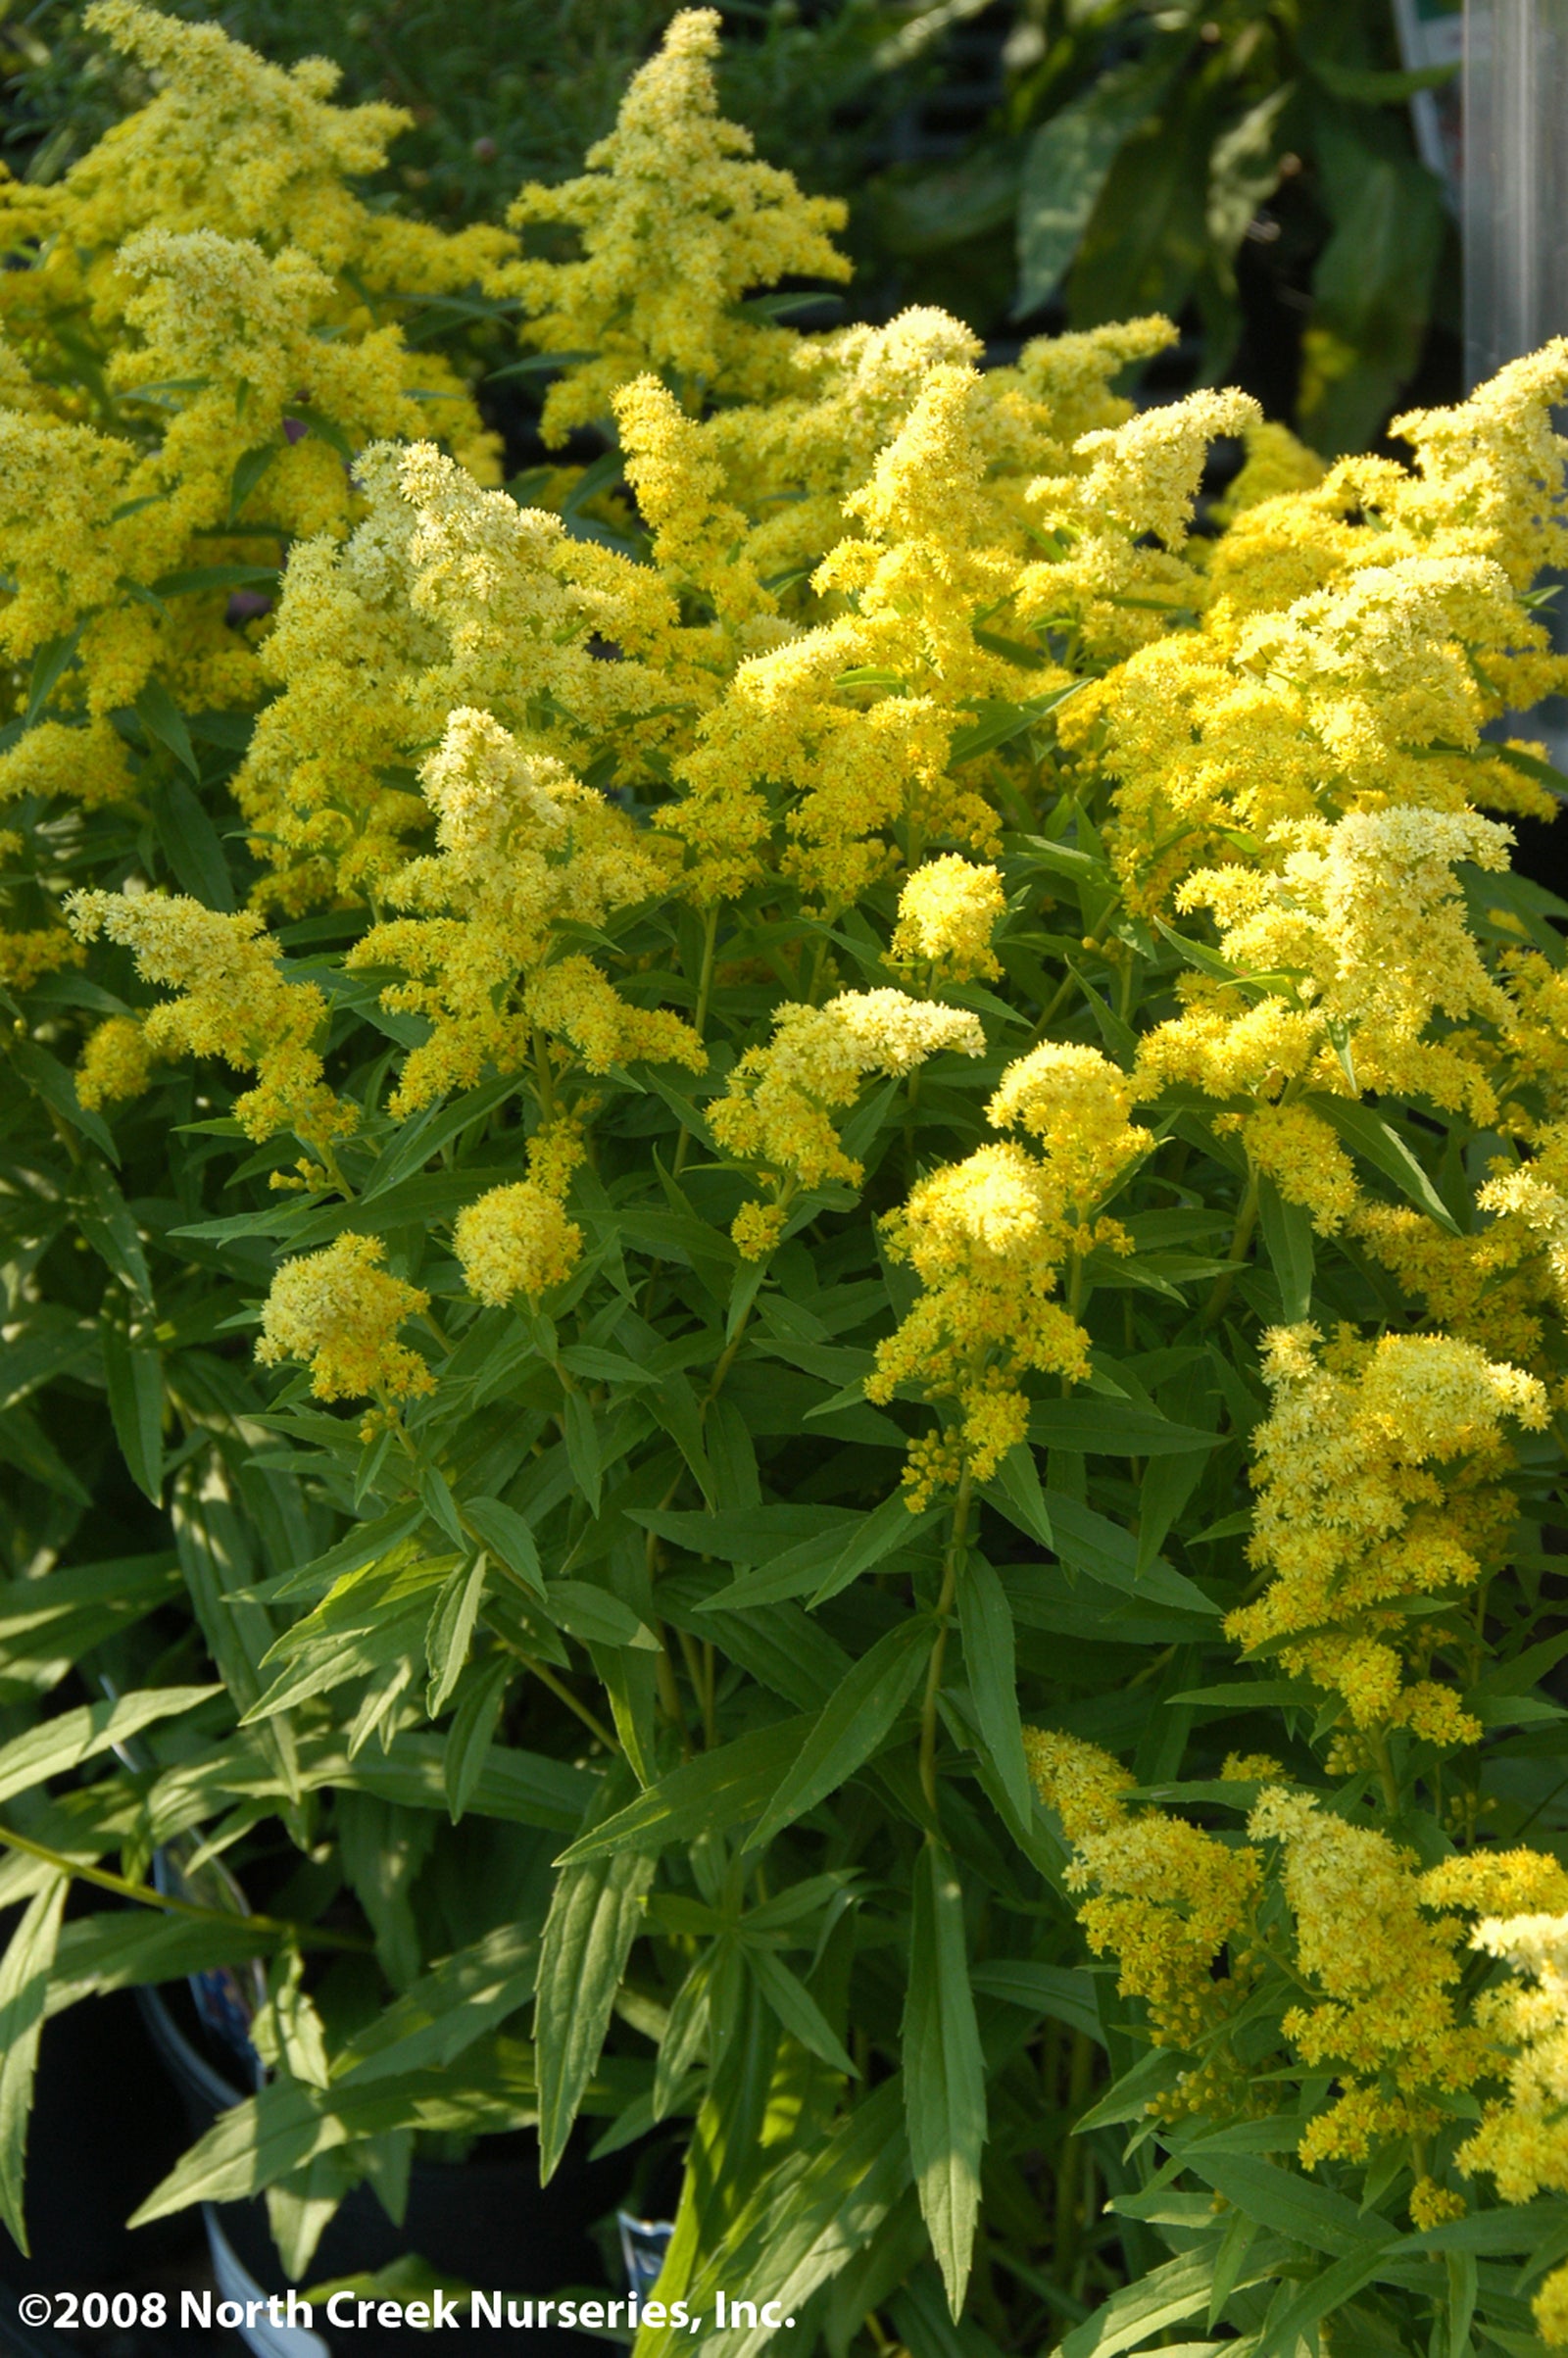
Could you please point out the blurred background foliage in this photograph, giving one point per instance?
(1247, 166)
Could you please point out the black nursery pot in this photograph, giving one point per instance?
(488, 2222)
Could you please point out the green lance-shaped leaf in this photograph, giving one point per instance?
(190, 843)
(109, 1228)
(595, 1915)
(944, 2071)
(985, 1618)
(1288, 1242)
(71, 1737)
(24, 1990)
(851, 1725)
(449, 1631)
(706, 1796)
(215, 1554)
(509, 1536)
(1369, 1135)
(165, 722)
(797, 2010)
(135, 1375)
(471, 1732)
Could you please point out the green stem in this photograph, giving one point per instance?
(303, 1935)
(699, 1687)
(544, 1076)
(1379, 1747)
(705, 984)
(1241, 1242)
(1063, 989)
(558, 1687)
(1079, 2081)
(952, 1557)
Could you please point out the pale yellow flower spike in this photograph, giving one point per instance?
(1166, 1899)
(1522, 2142)
(516, 1240)
(988, 1238)
(116, 1064)
(677, 222)
(1382, 1973)
(1074, 1102)
(522, 846)
(232, 143)
(1354, 1517)
(947, 912)
(339, 1311)
(234, 1003)
(777, 1112)
(679, 483)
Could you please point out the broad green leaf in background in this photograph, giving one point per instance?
(1065, 1993)
(214, 1544)
(472, 1729)
(1367, 1134)
(190, 843)
(165, 722)
(1068, 161)
(797, 2010)
(71, 1738)
(449, 1631)
(1373, 284)
(803, 2223)
(507, 1533)
(110, 1227)
(706, 1796)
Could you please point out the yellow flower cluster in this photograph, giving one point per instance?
(116, 1063)
(235, 1003)
(443, 597)
(516, 1240)
(677, 222)
(1375, 1943)
(520, 845)
(947, 912)
(1382, 1972)
(1172, 1904)
(1352, 636)
(199, 326)
(1379, 1473)
(1366, 920)
(339, 1311)
(776, 1113)
(988, 1238)
(1522, 2142)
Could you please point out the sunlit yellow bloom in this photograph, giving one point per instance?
(777, 1114)
(516, 1240)
(947, 912)
(1380, 1482)
(1383, 2018)
(677, 222)
(1166, 1900)
(340, 1310)
(234, 1002)
(116, 1063)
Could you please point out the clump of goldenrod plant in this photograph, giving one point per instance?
(829, 1232)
